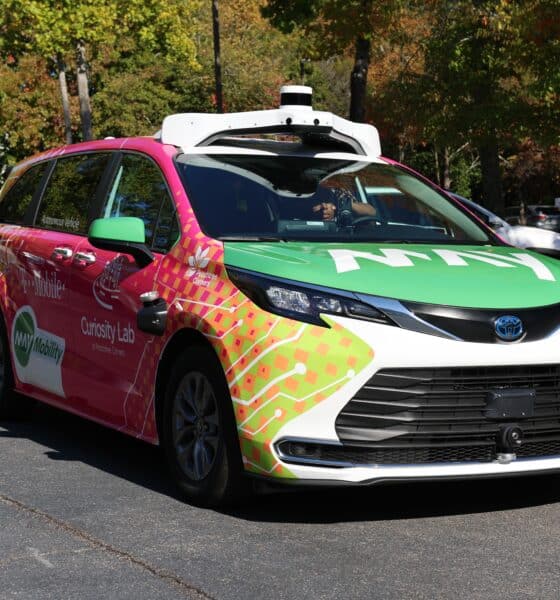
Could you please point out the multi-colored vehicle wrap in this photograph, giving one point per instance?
(264, 295)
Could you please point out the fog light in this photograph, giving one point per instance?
(302, 450)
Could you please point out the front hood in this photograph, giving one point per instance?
(466, 276)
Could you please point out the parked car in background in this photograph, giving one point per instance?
(543, 216)
(522, 236)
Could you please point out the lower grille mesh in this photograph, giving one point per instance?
(547, 448)
(388, 456)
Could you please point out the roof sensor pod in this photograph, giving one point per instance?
(296, 95)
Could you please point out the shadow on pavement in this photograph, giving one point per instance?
(71, 438)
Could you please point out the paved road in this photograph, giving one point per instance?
(87, 513)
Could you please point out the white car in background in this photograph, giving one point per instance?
(516, 235)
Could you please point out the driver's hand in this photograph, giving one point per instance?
(327, 210)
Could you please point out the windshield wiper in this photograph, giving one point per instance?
(249, 238)
(383, 241)
(436, 242)
(461, 242)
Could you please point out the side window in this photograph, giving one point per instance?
(70, 192)
(167, 229)
(15, 203)
(139, 190)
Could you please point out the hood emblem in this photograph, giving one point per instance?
(508, 328)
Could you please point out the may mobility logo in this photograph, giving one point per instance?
(345, 260)
(38, 353)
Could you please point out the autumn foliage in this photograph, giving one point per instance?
(467, 91)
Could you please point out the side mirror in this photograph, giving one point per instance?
(494, 224)
(126, 235)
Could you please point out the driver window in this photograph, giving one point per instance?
(139, 190)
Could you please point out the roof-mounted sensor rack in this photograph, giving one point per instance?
(294, 117)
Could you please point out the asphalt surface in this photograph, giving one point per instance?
(88, 513)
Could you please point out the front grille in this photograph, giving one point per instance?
(478, 324)
(438, 415)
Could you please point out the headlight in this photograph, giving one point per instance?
(301, 303)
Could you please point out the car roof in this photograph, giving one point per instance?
(146, 145)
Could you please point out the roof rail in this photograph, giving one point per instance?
(295, 116)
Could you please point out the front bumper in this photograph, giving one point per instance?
(398, 348)
(367, 475)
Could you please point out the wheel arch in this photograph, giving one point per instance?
(175, 345)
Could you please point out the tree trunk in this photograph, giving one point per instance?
(64, 95)
(4, 169)
(217, 57)
(83, 90)
(484, 101)
(358, 80)
(436, 165)
(492, 196)
(446, 182)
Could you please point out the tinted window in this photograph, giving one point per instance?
(167, 229)
(70, 192)
(139, 190)
(319, 199)
(16, 202)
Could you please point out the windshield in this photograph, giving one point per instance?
(248, 197)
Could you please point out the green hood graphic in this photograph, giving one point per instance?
(466, 276)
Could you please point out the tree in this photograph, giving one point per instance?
(53, 28)
(533, 172)
(30, 118)
(136, 89)
(480, 85)
(256, 58)
(336, 25)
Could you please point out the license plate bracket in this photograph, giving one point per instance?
(510, 404)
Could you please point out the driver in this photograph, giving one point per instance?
(340, 197)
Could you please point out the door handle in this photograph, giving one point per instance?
(84, 259)
(61, 254)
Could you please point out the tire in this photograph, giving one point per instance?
(199, 436)
(12, 405)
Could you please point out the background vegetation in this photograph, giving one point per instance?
(465, 91)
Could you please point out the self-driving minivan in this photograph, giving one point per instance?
(267, 297)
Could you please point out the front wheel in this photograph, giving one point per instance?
(199, 436)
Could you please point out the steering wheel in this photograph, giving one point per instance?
(366, 219)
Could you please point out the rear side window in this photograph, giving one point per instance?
(15, 203)
(139, 190)
(70, 192)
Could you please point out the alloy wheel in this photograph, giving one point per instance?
(196, 433)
